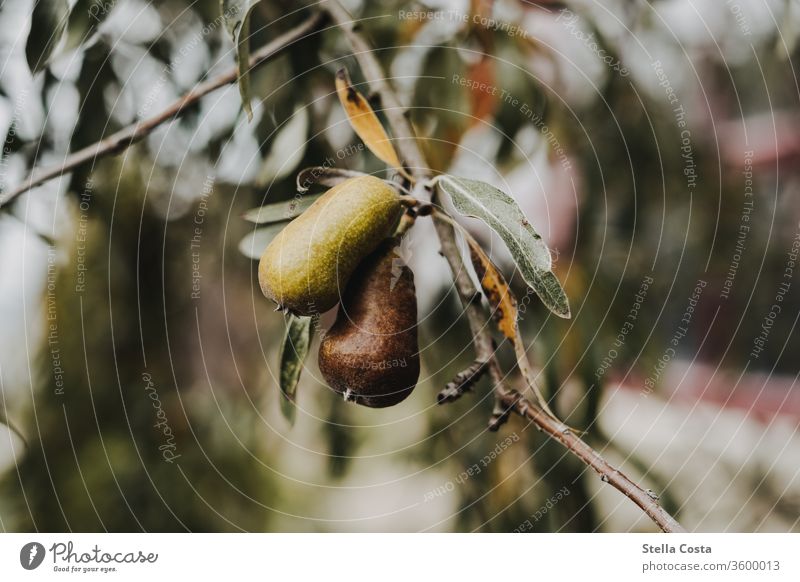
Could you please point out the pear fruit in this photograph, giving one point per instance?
(306, 267)
(370, 355)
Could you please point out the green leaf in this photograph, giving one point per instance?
(275, 216)
(5, 421)
(293, 353)
(280, 211)
(236, 15)
(500, 211)
(549, 290)
(324, 176)
(252, 246)
(48, 22)
(84, 20)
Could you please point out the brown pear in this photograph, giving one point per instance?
(371, 355)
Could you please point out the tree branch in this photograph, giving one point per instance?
(608, 473)
(135, 132)
(412, 155)
(462, 382)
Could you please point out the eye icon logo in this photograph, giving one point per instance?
(31, 555)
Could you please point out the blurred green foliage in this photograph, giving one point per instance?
(95, 462)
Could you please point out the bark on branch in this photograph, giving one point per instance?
(412, 155)
(135, 132)
(608, 473)
(463, 382)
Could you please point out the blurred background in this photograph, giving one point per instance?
(654, 145)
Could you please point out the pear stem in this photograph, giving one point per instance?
(408, 201)
(406, 222)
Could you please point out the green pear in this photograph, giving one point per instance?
(306, 267)
(371, 353)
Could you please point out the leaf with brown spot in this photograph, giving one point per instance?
(365, 123)
(503, 302)
(504, 310)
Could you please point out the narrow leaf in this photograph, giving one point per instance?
(504, 310)
(84, 21)
(5, 421)
(48, 22)
(252, 246)
(365, 123)
(500, 211)
(236, 15)
(280, 211)
(549, 290)
(498, 293)
(293, 353)
(323, 175)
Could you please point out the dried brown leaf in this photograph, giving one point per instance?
(365, 123)
(504, 310)
(502, 301)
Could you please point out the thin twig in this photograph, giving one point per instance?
(411, 154)
(500, 413)
(462, 382)
(519, 349)
(135, 132)
(608, 473)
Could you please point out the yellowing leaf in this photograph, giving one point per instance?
(502, 301)
(504, 310)
(365, 123)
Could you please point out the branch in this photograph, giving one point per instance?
(410, 152)
(462, 382)
(135, 132)
(608, 473)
